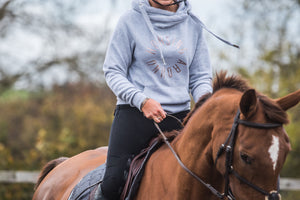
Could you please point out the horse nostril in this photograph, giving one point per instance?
(247, 159)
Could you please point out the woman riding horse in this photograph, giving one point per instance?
(237, 151)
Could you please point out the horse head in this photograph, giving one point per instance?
(252, 155)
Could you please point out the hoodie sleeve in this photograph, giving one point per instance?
(200, 71)
(117, 62)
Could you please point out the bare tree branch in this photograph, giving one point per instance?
(3, 9)
(65, 43)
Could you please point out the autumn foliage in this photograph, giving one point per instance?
(61, 122)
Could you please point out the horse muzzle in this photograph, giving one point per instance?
(273, 195)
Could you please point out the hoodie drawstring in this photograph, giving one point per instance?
(149, 24)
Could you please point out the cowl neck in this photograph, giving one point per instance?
(162, 18)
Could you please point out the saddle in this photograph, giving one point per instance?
(86, 188)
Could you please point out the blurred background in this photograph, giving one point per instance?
(53, 98)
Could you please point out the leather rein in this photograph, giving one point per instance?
(227, 148)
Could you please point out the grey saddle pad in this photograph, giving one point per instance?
(87, 184)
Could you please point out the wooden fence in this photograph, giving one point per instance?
(18, 176)
(288, 184)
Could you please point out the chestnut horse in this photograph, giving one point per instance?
(198, 167)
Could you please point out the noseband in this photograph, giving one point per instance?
(228, 148)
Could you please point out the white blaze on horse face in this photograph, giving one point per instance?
(274, 151)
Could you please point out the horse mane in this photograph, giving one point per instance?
(47, 168)
(222, 80)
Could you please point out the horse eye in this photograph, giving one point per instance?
(247, 159)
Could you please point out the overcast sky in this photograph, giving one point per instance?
(214, 12)
(217, 15)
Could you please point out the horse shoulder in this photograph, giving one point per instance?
(158, 179)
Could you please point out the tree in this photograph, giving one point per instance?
(43, 42)
(270, 29)
(270, 36)
(64, 121)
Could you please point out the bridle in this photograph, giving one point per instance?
(171, 4)
(228, 148)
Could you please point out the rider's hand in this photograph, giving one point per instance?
(153, 110)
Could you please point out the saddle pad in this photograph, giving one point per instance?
(87, 184)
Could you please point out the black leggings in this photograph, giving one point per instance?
(130, 133)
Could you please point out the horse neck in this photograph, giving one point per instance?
(195, 150)
(194, 139)
(218, 112)
(195, 145)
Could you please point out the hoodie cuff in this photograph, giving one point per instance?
(138, 100)
(200, 91)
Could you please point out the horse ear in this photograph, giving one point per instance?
(289, 101)
(248, 103)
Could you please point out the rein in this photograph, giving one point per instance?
(227, 147)
(208, 186)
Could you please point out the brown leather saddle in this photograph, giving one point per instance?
(138, 164)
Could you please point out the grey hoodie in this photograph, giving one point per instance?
(158, 54)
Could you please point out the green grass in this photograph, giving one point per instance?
(290, 195)
(16, 191)
(12, 95)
